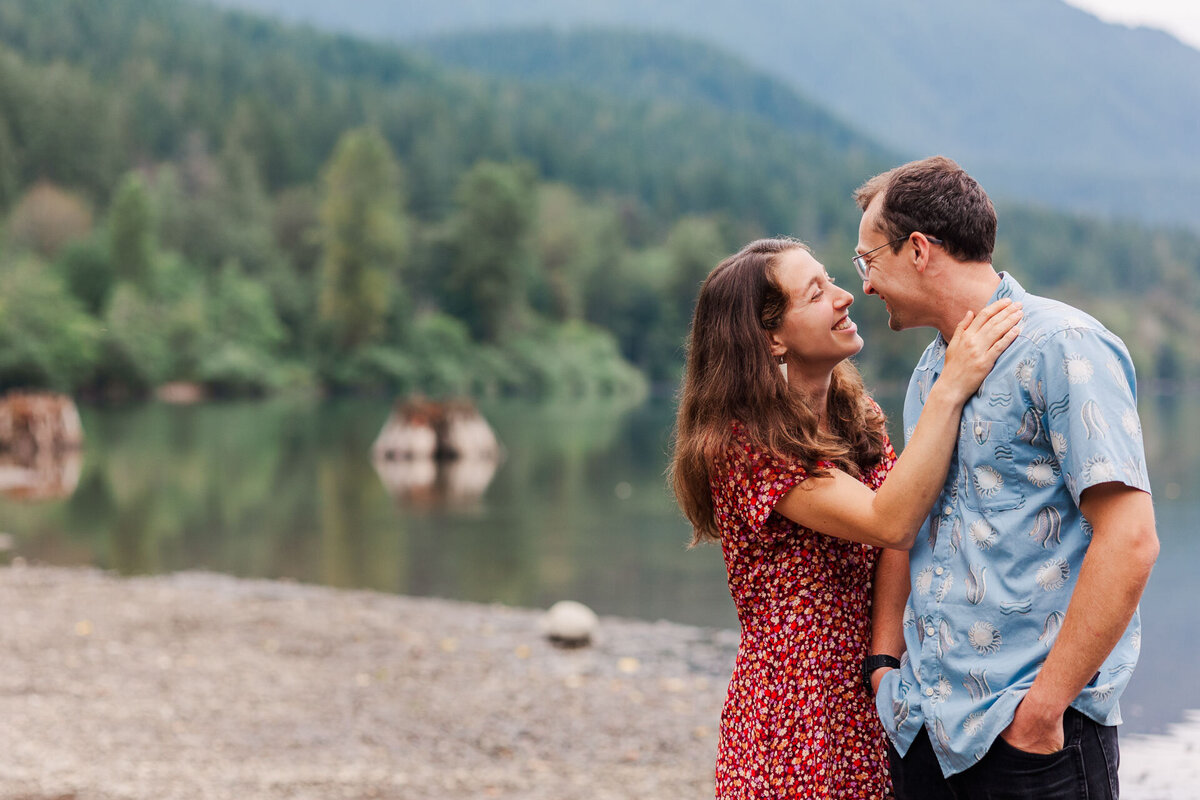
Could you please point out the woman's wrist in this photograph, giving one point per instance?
(945, 392)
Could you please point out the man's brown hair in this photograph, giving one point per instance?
(938, 198)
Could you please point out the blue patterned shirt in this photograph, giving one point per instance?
(994, 565)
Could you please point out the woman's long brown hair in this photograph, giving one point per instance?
(731, 376)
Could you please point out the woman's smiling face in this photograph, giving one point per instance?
(816, 330)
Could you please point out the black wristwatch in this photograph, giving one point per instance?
(872, 663)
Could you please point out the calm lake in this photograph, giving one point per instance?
(579, 509)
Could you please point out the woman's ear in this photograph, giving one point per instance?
(778, 348)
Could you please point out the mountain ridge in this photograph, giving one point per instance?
(1039, 99)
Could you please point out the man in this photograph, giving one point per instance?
(1015, 616)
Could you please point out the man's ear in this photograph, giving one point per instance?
(922, 250)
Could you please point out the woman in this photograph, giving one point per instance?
(776, 440)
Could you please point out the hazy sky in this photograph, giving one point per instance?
(1178, 17)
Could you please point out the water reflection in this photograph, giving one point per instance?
(430, 483)
(44, 476)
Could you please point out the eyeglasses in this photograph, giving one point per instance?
(864, 269)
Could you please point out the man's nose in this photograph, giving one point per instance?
(868, 288)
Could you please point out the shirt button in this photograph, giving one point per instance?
(930, 631)
(929, 691)
(939, 570)
(948, 510)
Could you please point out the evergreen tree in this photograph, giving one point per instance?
(363, 239)
(131, 232)
(490, 253)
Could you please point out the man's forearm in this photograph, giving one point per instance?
(890, 594)
(1111, 579)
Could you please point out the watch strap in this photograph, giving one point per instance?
(874, 662)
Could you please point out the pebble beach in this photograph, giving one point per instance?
(197, 685)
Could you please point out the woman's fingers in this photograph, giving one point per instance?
(991, 310)
(964, 323)
(1001, 321)
(1005, 340)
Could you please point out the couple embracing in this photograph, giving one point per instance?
(958, 622)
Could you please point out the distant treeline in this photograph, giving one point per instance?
(192, 195)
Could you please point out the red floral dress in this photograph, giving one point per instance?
(797, 721)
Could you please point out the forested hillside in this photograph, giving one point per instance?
(1043, 101)
(204, 196)
(515, 229)
(1099, 263)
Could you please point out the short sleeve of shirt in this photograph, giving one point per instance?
(749, 482)
(1090, 410)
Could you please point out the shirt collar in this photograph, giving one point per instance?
(1008, 287)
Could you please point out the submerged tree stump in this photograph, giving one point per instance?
(40, 440)
(432, 451)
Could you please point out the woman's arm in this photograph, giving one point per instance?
(839, 505)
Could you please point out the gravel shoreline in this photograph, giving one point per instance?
(197, 685)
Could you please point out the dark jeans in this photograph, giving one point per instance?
(1085, 769)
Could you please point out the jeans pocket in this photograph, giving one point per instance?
(1014, 773)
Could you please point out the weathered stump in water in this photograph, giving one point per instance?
(433, 451)
(40, 440)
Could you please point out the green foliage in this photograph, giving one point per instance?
(694, 246)
(1040, 100)
(363, 240)
(574, 241)
(131, 231)
(9, 168)
(137, 354)
(58, 125)
(489, 270)
(242, 348)
(46, 338)
(279, 204)
(87, 271)
(213, 208)
(444, 361)
(650, 66)
(565, 361)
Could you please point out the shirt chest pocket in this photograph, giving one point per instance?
(986, 455)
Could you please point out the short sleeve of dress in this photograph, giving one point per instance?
(747, 483)
(1090, 411)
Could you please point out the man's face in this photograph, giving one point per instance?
(890, 275)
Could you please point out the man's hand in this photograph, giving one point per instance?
(1034, 733)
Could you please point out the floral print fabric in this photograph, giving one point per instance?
(797, 722)
(995, 564)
